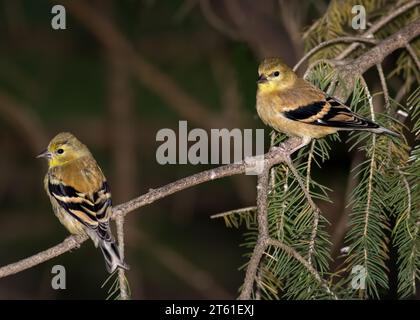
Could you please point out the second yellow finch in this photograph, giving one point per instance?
(80, 195)
(294, 106)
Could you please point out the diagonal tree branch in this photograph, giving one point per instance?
(330, 42)
(72, 242)
(350, 71)
(378, 53)
(378, 25)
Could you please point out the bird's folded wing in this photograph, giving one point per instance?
(328, 112)
(91, 210)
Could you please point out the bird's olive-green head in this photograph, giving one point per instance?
(64, 148)
(273, 74)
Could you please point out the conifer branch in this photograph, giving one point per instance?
(306, 264)
(383, 84)
(316, 212)
(330, 42)
(263, 236)
(413, 55)
(378, 25)
(123, 285)
(264, 240)
(350, 71)
(305, 191)
(371, 170)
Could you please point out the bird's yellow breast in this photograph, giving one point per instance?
(83, 174)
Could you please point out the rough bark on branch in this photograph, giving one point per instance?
(350, 71)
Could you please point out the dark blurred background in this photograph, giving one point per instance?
(121, 71)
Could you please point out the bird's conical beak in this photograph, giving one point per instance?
(45, 154)
(262, 78)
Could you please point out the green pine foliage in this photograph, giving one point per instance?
(384, 205)
(335, 23)
(292, 221)
(371, 202)
(405, 234)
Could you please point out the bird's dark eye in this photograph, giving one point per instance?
(276, 73)
(60, 151)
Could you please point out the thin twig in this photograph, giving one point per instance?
(369, 199)
(371, 172)
(314, 207)
(385, 47)
(383, 84)
(413, 237)
(350, 71)
(227, 213)
(309, 164)
(413, 55)
(303, 187)
(316, 212)
(123, 286)
(315, 63)
(281, 223)
(272, 171)
(70, 243)
(330, 42)
(290, 251)
(409, 200)
(311, 28)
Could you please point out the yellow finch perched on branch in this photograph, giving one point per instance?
(294, 106)
(80, 195)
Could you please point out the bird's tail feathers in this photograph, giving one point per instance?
(112, 256)
(381, 130)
